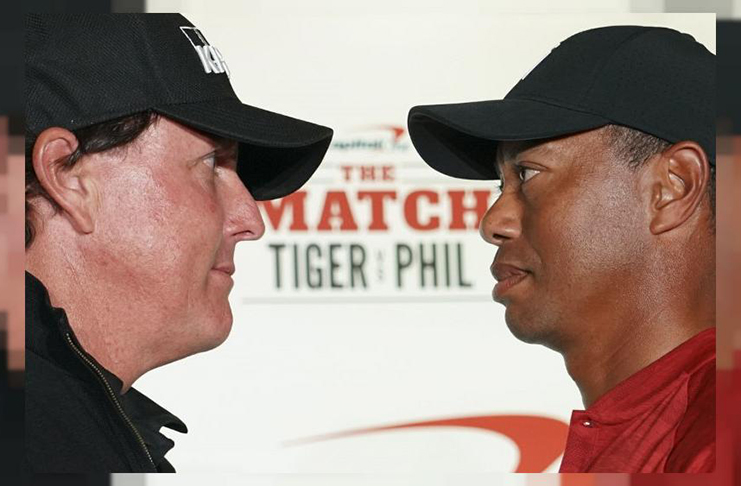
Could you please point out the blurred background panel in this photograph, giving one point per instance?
(729, 196)
(12, 257)
(11, 300)
(729, 249)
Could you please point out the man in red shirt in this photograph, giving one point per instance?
(605, 234)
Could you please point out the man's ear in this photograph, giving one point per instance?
(679, 180)
(70, 189)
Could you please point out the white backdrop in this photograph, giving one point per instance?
(303, 362)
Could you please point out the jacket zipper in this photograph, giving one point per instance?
(112, 395)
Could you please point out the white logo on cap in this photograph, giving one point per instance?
(211, 58)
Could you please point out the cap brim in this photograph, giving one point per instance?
(277, 153)
(460, 139)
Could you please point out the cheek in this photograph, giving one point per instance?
(195, 215)
(587, 238)
(158, 226)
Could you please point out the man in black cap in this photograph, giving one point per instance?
(605, 234)
(142, 171)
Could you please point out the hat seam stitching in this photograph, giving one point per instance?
(201, 100)
(657, 133)
(559, 104)
(261, 143)
(459, 128)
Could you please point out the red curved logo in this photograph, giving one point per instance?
(396, 131)
(540, 440)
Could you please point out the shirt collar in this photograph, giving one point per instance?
(634, 395)
(148, 418)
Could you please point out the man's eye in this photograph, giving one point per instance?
(526, 173)
(210, 161)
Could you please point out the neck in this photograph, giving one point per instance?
(630, 338)
(97, 312)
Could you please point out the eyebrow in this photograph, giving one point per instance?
(511, 150)
(514, 148)
(225, 148)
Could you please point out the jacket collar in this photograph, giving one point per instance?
(47, 332)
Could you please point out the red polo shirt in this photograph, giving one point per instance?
(661, 419)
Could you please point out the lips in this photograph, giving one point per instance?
(226, 268)
(507, 276)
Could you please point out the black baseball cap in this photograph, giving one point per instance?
(84, 69)
(652, 79)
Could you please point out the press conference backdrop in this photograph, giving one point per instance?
(365, 339)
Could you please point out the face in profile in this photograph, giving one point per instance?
(170, 211)
(569, 235)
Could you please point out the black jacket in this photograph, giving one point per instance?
(76, 418)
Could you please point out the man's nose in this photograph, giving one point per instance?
(502, 222)
(243, 220)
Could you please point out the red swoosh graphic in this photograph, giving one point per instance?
(540, 440)
(398, 131)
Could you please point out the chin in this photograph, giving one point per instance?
(214, 331)
(222, 329)
(530, 329)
